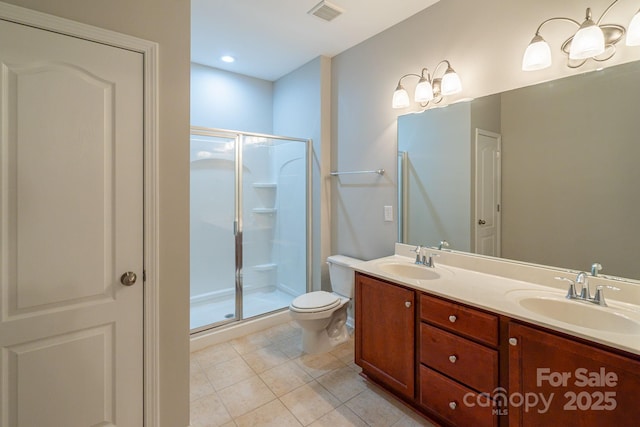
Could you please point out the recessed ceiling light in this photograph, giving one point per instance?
(228, 58)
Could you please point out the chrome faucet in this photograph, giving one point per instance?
(443, 244)
(423, 259)
(418, 251)
(583, 281)
(595, 268)
(585, 294)
(429, 262)
(599, 296)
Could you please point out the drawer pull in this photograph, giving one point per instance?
(452, 319)
(513, 341)
(453, 358)
(453, 405)
(407, 304)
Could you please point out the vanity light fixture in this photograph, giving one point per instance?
(592, 40)
(428, 90)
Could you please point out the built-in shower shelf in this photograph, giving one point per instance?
(264, 210)
(265, 267)
(265, 185)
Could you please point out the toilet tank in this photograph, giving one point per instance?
(341, 274)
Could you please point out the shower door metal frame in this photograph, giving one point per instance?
(238, 226)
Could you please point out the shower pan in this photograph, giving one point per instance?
(249, 224)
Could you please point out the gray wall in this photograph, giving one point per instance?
(564, 129)
(166, 22)
(300, 109)
(484, 41)
(438, 175)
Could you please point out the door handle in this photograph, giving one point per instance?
(482, 222)
(128, 278)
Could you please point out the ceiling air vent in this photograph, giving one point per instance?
(326, 11)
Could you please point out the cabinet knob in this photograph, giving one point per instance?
(453, 358)
(407, 304)
(452, 319)
(453, 405)
(513, 341)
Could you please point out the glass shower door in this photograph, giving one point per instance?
(250, 232)
(212, 239)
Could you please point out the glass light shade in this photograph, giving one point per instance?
(424, 91)
(400, 98)
(588, 41)
(537, 56)
(450, 83)
(633, 33)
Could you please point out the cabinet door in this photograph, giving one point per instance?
(586, 386)
(385, 333)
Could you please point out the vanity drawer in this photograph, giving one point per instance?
(457, 318)
(459, 358)
(454, 402)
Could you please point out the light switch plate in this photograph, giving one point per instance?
(388, 213)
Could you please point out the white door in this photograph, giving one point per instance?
(71, 156)
(487, 190)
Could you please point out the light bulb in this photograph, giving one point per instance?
(633, 33)
(400, 98)
(588, 41)
(537, 56)
(424, 91)
(450, 83)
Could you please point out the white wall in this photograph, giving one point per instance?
(484, 41)
(224, 100)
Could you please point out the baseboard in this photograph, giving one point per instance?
(236, 330)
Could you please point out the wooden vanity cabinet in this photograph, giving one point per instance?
(385, 333)
(587, 385)
(445, 358)
(458, 361)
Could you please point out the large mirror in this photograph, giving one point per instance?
(548, 174)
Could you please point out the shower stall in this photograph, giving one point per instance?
(250, 227)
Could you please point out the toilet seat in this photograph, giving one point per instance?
(313, 302)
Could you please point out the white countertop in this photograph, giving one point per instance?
(501, 295)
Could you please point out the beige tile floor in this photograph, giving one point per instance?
(264, 379)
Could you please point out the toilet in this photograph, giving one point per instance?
(323, 315)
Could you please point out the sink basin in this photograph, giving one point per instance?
(410, 271)
(579, 313)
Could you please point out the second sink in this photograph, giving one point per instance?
(577, 313)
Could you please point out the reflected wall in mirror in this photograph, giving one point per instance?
(570, 172)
